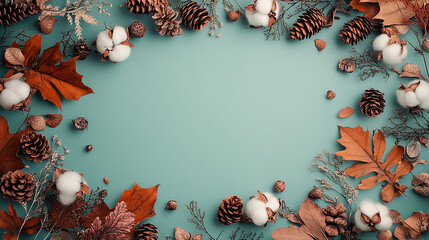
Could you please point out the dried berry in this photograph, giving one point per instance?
(106, 181)
(279, 186)
(320, 44)
(89, 148)
(36, 122)
(46, 24)
(137, 29)
(316, 193)
(171, 205)
(426, 44)
(103, 193)
(80, 123)
(233, 16)
(53, 120)
(330, 94)
(347, 65)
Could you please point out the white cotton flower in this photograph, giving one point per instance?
(119, 35)
(263, 6)
(104, 41)
(259, 216)
(69, 183)
(257, 210)
(392, 54)
(14, 92)
(411, 96)
(380, 42)
(66, 199)
(120, 53)
(370, 208)
(252, 205)
(411, 99)
(273, 202)
(260, 17)
(422, 93)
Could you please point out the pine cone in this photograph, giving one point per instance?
(230, 210)
(81, 49)
(17, 186)
(165, 19)
(147, 231)
(356, 30)
(372, 102)
(194, 16)
(311, 22)
(335, 218)
(12, 12)
(35, 146)
(145, 6)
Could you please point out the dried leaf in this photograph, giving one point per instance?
(100, 210)
(293, 217)
(358, 148)
(370, 9)
(411, 70)
(9, 146)
(65, 217)
(262, 197)
(291, 232)
(140, 201)
(53, 120)
(346, 112)
(48, 71)
(313, 218)
(14, 56)
(181, 234)
(414, 226)
(395, 215)
(12, 223)
(9, 236)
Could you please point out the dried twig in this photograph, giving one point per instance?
(369, 65)
(198, 219)
(409, 126)
(243, 235)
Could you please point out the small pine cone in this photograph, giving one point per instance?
(81, 49)
(372, 102)
(311, 22)
(137, 29)
(147, 231)
(165, 19)
(11, 12)
(356, 30)
(17, 186)
(194, 16)
(145, 6)
(230, 210)
(35, 146)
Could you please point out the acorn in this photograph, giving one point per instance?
(233, 16)
(171, 205)
(279, 186)
(36, 122)
(46, 24)
(316, 193)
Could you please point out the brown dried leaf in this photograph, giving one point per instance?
(413, 227)
(330, 17)
(346, 112)
(181, 234)
(262, 197)
(294, 218)
(291, 232)
(395, 215)
(197, 237)
(53, 120)
(313, 218)
(411, 70)
(320, 44)
(14, 56)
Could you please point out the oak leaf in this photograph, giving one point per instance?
(413, 227)
(140, 201)
(12, 223)
(9, 146)
(358, 148)
(48, 71)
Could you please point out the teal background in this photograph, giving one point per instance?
(209, 117)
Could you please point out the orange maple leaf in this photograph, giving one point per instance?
(369, 8)
(12, 223)
(358, 148)
(140, 201)
(9, 146)
(48, 71)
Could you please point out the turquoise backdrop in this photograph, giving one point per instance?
(209, 117)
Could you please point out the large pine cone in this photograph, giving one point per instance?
(194, 16)
(356, 30)
(230, 210)
(17, 186)
(372, 102)
(145, 6)
(35, 146)
(165, 19)
(147, 231)
(335, 218)
(311, 22)
(12, 12)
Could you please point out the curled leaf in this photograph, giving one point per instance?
(411, 70)
(14, 56)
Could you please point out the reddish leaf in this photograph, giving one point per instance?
(12, 223)
(140, 201)
(48, 71)
(65, 217)
(9, 146)
(9, 236)
(101, 211)
(369, 8)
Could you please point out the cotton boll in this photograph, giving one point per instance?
(422, 93)
(400, 96)
(66, 199)
(259, 216)
(104, 41)
(392, 54)
(120, 53)
(119, 35)
(384, 211)
(257, 19)
(380, 42)
(263, 6)
(8, 98)
(252, 205)
(368, 208)
(404, 53)
(411, 99)
(273, 203)
(21, 88)
(385, 224)
(69, 183)
(358, 222)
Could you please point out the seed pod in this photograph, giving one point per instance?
(330, 94)
(279, 186)
(347, 65)
(53, 120)
(47, 24)
(80, 123)
(233, 16)
(171, 205)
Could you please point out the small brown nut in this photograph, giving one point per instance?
(89, 148)
(316, 193)
(137, 29)
(37, 123)
(347, 65)
(330, 94)
(171, 205)
(384, 235)
(279, 186)
(424, 140)
(106, 181)
(80, 123)
(320, 44)
(233, 16)
(46, 24)
(426, 44)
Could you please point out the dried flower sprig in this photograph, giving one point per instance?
(285, 210)
(245, 235)
(75, 12)
(369, 65)
(20, 35)
(421, 19)
(409, 126)
(198, 219)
